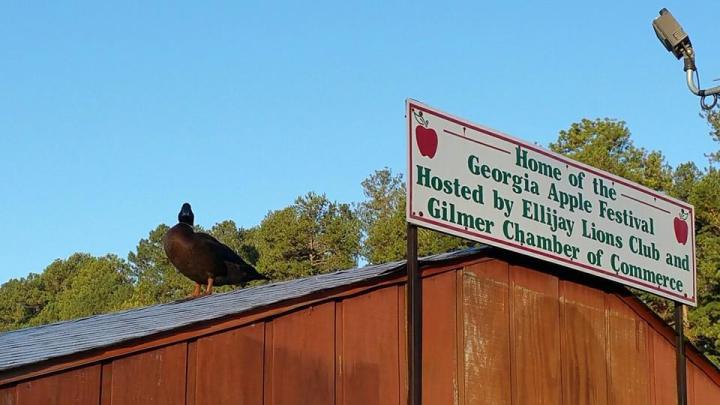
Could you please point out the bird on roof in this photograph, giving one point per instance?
(202, 258)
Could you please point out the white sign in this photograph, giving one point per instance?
(483, 185)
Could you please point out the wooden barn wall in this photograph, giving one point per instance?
(495, 333)
(561, 342)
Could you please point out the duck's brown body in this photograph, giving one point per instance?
(203, 259)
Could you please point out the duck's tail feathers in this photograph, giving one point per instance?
(240, 274)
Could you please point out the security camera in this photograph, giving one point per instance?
(671, 34)
(677, 42)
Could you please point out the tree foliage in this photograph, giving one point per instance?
(705, 196)
(312, 236)
(97, 286)
(606, 144)
(713, 119)
(382, 216)
(704, 319)
(21, 300)
(81, 285)
(685, 179)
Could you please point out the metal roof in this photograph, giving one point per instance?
(31, 345)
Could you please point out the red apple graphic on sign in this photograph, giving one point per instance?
(427, 139)
(681, 227)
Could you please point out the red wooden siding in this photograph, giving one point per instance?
(628, 355)
(440, 382)
(583, 342)
(402, 343)
(79, 386)
(535, 337)
(704, 390)
(495, 333)
(368, 354)
(152, 377)
(8, 395)
(486, 334)
(217, 377)
(691, 386)
(665, 383)
(300, 357)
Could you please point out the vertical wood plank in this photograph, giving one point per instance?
(106, 384)
(402, 344)
(664, 377)
(486, 334)
(230, 367)
(691, 384)
(460, 334)
(644, 358)
(79, 386)
(583, 342)
(268, 363)
(191, 374)
(629, 358)
(651, 366)
(536, 337)
(440, 383)
(8, 395)
(369, 368)
(513, 352)
(303, 357)
(705, 392)
(156, 376)
(339, 360)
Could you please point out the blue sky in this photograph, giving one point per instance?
(111, 116)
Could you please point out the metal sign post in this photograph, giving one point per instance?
(414, 319)
(680, 355)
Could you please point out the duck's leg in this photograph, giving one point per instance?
(196, 291)
(208, 289)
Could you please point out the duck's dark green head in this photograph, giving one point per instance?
(186, 215)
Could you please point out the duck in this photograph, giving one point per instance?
(204, 259)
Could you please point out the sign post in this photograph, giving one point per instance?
(414, 316)
(680, 355)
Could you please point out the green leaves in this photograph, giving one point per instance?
(312, 236)
(99, 285)
(78, 286)
(382, 216)
(606, 144)
(713, 119)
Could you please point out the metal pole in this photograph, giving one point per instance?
(680, 356)
(414, 319)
